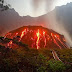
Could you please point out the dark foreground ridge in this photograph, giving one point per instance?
(33, 60)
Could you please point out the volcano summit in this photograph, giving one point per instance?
(38, 37)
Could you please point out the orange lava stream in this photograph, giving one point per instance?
(22, 34)
(38, 37)
(61, 41)
(55, 41)
(44, 38)
(10, 44)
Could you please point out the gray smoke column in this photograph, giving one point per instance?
(36, 3)
(54, 22)
(59, 27)
(48, 4)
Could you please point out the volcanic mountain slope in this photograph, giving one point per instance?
(61, 15)
(38, 37)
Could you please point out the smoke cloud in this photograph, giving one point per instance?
(58, 24)
(54, 23)
(38, 3)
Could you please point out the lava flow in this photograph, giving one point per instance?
(22, 34)
(10, 44)
(55, 41)
(44, 38)
(38, 37)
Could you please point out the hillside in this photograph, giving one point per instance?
(33, 60)
(17, 56)
(38, 37)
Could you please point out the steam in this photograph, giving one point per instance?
(53, 22)
(48, 5)
(59, 27)
(36, 3)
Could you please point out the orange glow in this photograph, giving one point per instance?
(61, 42)
(38, 37)
(10, 44)
(55, 40)
(16, 34)
(44, 38)
(22, 34)
(64, 40)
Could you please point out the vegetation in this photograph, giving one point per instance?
(25, 59)
(33, 60)
(65, 55)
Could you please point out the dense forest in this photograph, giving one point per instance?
(25, 59)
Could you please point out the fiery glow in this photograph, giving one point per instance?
(55, 41)
(8, 34)
(44, 39)
(64, 40)
(22, 34)
(16, 34)
(10, 44)
(38, 37)
(61, 41)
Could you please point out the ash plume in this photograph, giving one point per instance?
(59, 26)
(48, 4)
(58, 22)
(36, 3)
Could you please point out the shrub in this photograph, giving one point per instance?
(56, 66)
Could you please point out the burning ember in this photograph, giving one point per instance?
(38, 37)
(10, 44)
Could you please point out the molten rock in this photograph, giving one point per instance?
(38, 37)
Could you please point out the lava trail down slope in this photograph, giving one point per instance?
(38, 37)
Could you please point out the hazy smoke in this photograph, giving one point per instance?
(36, 3)
(52, 17)
(59, 26)
(48, 4)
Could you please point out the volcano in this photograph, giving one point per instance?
(38, 37)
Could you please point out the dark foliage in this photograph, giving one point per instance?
(33, 60)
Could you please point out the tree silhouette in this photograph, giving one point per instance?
(2, 6)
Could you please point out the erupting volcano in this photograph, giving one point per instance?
(38, 37)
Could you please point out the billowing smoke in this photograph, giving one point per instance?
(48, 5)
(54, 23)
(57, 24)
(36, 3)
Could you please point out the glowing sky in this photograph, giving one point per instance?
(25, 7)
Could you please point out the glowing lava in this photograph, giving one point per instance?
(22, 34)
(10, 44)
(56, 36)
(44, 38)
(55, 41)
(38, 37)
